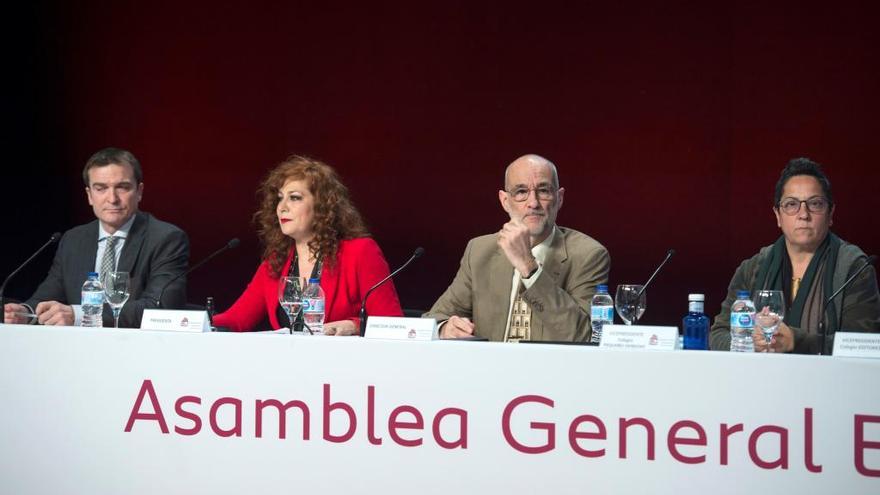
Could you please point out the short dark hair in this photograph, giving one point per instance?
(803, 166)
(113, 156)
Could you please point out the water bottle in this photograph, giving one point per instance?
(696, 324)
(742, 322)
(92, 302)
(313, 307)
(601, 312)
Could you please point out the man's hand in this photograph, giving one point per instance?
(14, 314)
(516, 242)
(55, 313)
(457, 327)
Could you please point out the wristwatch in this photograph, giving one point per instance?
(534, 270)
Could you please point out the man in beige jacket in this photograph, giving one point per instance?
(532, 280)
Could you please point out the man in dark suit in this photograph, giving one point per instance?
(532, 280)
(121, 239)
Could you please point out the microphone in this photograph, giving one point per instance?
(642, 291)
(232, 244)
(363, 315)
(868, 262)
(52, 240)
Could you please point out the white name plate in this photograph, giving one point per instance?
(639, 337)
(175, 320)
(395, 328)
(856, 344)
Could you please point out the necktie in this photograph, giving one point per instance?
(108, 261)
(520, 319)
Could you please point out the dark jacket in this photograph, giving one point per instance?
(154, 252)
(857, 308)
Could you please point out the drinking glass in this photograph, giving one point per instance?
(769, 311)
(629, 304)
(290, 297)
(116, 292)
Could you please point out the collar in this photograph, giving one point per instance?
(121, 233)
(540, 251)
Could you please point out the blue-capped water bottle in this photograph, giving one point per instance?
(92, 301)
(742, 322)
(601, 312)
(313, 308)
(696, 324)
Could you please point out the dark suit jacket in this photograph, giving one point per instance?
(154, 252)
(560, 297)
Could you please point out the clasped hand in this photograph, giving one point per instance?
(781, 341)
(55, 313)
(516, 243)
(47, 312)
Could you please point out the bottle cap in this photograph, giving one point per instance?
(696, 297)
(602, 288)
(742, 294)
(314, 280)
(93, 274)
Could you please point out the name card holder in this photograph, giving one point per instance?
(175, 320)
(856, 344)
(639, 337)
(396, 328)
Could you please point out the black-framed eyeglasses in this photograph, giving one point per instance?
(816, 204)
(543, 193)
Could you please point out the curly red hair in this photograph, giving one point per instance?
(335, 217)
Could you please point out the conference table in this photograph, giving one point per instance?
(138, 411)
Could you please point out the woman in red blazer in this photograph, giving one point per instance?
(310, 228)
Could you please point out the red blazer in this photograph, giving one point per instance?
(359, 265)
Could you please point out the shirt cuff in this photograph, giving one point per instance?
(77, 315)
(529, 282)
(33, 320)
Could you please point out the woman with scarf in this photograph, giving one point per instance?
(807, 263)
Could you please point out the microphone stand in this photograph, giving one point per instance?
(822, 327)
(363, 313)
(52, 239)
(642, 291)
(232, 244)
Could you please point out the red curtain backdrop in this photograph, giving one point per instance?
(669, 123)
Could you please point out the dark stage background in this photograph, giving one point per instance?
(669, 123)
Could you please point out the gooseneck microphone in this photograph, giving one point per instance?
(232, 244)
(52, 240)
(363, 315)
(868, 262)
(642, 291)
